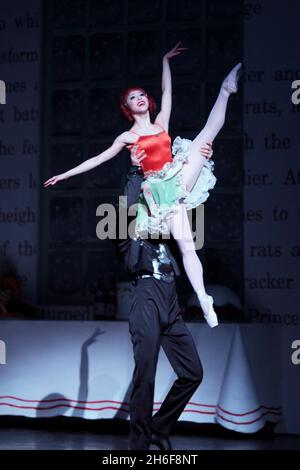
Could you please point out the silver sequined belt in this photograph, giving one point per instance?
(166, 277)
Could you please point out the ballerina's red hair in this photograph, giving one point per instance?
(124, 108)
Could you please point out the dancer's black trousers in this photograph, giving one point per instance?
(155, 320)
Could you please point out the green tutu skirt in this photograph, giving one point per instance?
(163, 190)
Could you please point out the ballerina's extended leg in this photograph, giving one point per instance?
(214, 124)
(190, 172)
(180, 228)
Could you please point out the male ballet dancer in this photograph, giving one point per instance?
(155, 320)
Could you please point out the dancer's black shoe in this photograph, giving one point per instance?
(161, 441)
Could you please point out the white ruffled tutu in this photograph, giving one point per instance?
(163, 190)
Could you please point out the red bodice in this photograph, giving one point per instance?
(157, 148)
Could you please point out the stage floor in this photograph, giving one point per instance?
(32, 436)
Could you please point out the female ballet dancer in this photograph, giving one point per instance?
(171, 184)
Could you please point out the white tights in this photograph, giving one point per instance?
(180, 228)
(179, 224)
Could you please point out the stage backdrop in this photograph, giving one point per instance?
(19, 141)
(271, 191)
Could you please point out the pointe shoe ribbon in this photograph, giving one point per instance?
(206, 302)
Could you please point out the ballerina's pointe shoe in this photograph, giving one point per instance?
(230, 82)
(206, 302)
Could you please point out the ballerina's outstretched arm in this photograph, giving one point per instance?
(116, 147)
(163, 117)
